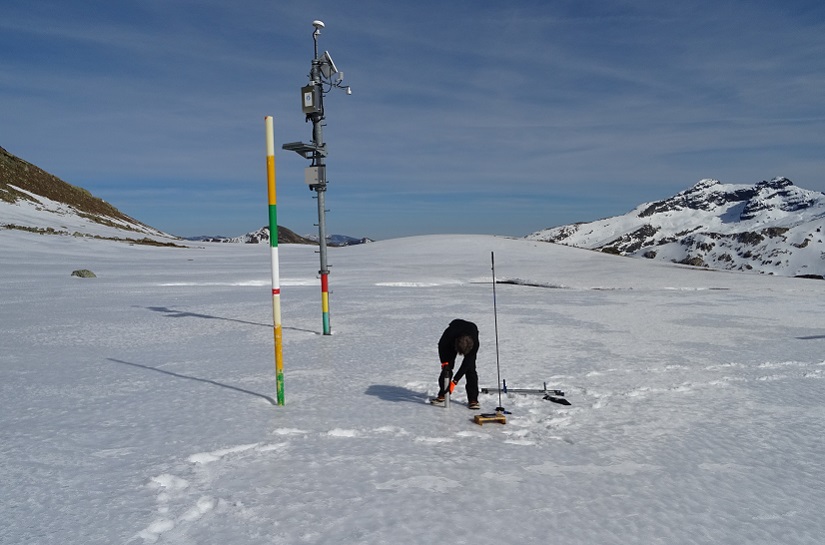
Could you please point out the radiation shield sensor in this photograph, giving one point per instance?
(315, 175)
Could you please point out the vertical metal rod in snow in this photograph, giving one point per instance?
(273, 244)
(495, 321)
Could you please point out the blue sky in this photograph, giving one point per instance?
(468, 116)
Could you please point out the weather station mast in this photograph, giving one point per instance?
(323, 77)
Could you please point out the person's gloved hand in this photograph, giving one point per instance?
(452, 386)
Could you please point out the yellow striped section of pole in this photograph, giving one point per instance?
(273, 244)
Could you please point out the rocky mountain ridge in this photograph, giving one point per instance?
(34, 200)
(772, 227)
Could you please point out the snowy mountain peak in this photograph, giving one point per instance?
(703, 185)
(706, 195)
(772, 227)
(782, 196)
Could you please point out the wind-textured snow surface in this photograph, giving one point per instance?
(138, 407)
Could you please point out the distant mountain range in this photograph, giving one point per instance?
(261, 236)
(285, 236)
(341, 240)
(772, 227)
(33, 200)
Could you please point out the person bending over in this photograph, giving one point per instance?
(460, 338)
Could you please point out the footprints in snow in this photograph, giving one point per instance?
(172, 491)
(167, 487)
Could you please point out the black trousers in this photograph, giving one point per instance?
(471, 386)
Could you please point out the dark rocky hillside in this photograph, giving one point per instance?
(17, 174)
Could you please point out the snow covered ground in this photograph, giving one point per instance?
(138, 407)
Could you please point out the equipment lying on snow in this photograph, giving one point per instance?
(556, 396)
(485, 418)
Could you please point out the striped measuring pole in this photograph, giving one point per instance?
(273, 244)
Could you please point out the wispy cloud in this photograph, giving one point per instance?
(487, 114)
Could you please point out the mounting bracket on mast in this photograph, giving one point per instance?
(307, 151)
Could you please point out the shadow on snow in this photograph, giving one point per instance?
(208, 381)
(172, 313)
(395, 393)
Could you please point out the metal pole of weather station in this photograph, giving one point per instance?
(323, 76)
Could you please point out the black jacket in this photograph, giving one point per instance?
(446, 346)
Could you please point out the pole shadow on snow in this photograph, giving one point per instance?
(811, 338)
(172, 313)
(208, 381)
(395, 393)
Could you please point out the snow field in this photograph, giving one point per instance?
(138, 407)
